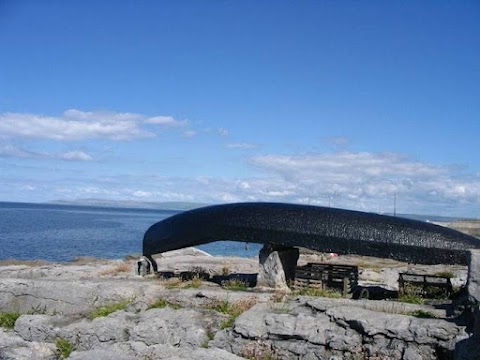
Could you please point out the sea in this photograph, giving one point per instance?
(62, 233)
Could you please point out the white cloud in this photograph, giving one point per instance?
(107, 116)
(8, 150)
(72, 125)
(75, 156)
(360, 181)
(75, 125)
(368, 181)
(167, 121)
(242, 145)
(142, 194)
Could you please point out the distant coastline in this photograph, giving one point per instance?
(184, 206)
(167, 205)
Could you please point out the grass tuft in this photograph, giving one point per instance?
(173, 283)
(232, 309)
(411, 299)
(7, 320)
(328, 293)
(64, 347)
(162, 303)
(235, 284)
(195, 283)
(108, 309)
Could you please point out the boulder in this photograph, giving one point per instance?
(473, 282)
(183, 327)
(277, 267)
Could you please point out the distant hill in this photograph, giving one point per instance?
(168, 205)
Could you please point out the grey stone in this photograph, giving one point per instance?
(30, 351)
(411, 354)
(251, 324)
(381, 306)
(183, 327)
(111, 329)
(277, 267)
(36, 328)
(343, 340)
(62, 297)
(9, 339)
(473, 282)
(104, 354)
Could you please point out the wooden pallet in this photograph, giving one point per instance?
(322, 276)
(424, 285)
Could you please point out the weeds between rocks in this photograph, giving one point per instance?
(163, 303)
(281, 308)
(7, 320)
(232, 309)
(108, 309)
(178, 283)
(195, 283)
(411, 299)
(64, 347)
(235, 284)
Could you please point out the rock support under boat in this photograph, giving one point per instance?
(277, 267)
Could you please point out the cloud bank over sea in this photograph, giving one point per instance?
(34, 147)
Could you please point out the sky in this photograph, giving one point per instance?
(350, 104)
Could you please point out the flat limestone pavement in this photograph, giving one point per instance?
(202, 320)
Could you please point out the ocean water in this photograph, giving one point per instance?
(64, 232)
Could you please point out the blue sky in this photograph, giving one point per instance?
(340, 103)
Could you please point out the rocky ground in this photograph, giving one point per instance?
(98, 309)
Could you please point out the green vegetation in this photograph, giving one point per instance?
(108, 309)
(228, 323)
(232, 309)
(173, 283)
(235, 284)
(162, 303)
(195, 283)
(38, 310)
(64, 346)
(310, 291)
(7, 320)
(411, 299)
(281, 308)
